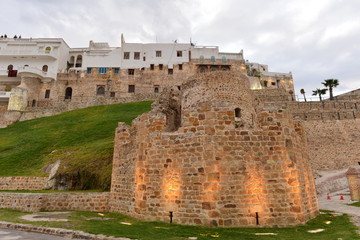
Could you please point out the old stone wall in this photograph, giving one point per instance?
(333, 144)
(326, 110)
(34, 202)
(22, 183)
(276, 95)
(213, 171)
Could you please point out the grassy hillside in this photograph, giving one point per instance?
(82, 139)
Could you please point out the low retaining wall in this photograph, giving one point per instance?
(22, 183)
(71, 234)
(35, 202)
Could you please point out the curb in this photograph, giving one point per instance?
(72, 234)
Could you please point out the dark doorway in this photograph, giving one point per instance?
(68, 93)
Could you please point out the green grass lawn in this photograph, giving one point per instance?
(82, 139)
(340, 227)
(355, 204)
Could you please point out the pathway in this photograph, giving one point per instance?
(10, 234)
(337, 205)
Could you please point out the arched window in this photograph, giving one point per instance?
(237, 112)
(156, 89)
(223, 59)
(45, 68)
(78, 61)
(10, 67)
(68, 93)
(26, 65)
(72, 61)
(48, 49)
(100, 90)
(213, 58)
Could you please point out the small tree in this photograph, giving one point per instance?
(302, 91)
(319, 92)
(330, 84)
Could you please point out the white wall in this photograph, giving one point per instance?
(168, 54)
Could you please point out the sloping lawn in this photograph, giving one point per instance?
(82, 139)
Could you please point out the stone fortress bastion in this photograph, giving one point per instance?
(230, 162)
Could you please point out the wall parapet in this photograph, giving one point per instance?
(22, 183)
(34, 202)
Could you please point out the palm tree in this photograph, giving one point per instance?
(302, 91)
(319, 92)
(330, 84)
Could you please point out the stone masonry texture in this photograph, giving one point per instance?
(34, 202)
(22, 183)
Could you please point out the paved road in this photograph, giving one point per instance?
(335, 204)
(9, 234)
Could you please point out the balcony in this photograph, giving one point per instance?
(32, 72)
(28, 53)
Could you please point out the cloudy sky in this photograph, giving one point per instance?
(313, 39)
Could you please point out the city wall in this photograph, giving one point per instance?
(35, 202)
(22, 183)
(333, 144)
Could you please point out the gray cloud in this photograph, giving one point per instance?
(315, 40)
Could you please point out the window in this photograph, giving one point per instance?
(170, 71)
(78, 61)
(158, 53)
(112, 94)
(126, 55)
(137, 55)
(131, 71)
(131, 89)
(156, 89)
(68, 93)
(72, 61)
(180, 67)
(45, 68)
(11, 71)
(161, 67)
(100, 90)
(47, 49)
(47, 93)
(116, 70)
(201, 58)
(152, 67)
(102, 70)
(237, 112)
(179, 53)
(144, 59)
(223, 59)
(213, 58)
(273, 83)
(88, 70)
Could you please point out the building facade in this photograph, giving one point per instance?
(46, 72)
